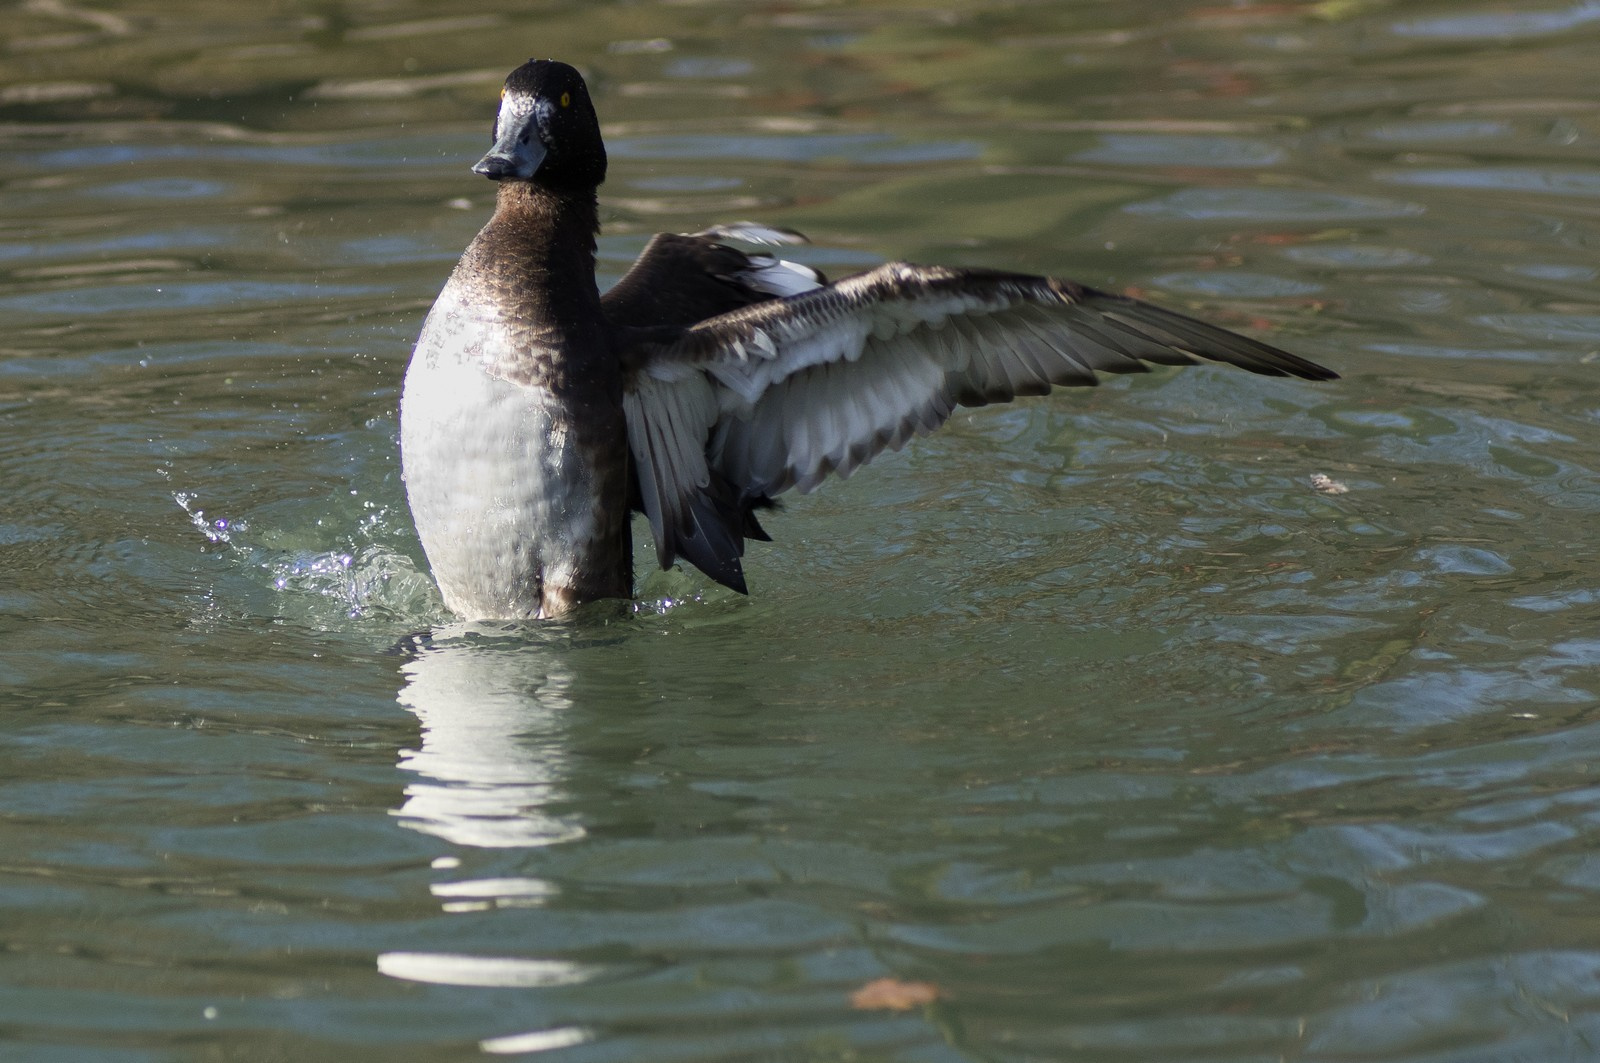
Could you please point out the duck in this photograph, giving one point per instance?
(538, 415)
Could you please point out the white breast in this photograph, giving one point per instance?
(501, 501)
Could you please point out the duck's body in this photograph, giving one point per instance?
(537, 415)
(524, 513)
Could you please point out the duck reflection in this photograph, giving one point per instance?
(496, 757)
(493, 706)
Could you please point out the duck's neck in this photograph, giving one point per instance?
(551, 236)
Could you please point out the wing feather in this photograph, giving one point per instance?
(668, 420)
(780, 394)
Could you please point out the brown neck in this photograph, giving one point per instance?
(545, 241)
(534, 265)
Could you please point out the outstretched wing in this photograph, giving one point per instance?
(780, 394)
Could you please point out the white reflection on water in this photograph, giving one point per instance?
(493, 753)
(504, 971)
(536, 1041)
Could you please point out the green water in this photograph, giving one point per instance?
(1199, 716)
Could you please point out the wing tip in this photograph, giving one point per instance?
(716, 522)
(1202, 339)
(753, 232)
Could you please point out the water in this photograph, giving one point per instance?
(1196, 717)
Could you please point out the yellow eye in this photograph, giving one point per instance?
(566, 99)
(502, 92)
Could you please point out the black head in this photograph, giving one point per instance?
(546, 130)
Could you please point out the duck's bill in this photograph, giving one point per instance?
(510, 158)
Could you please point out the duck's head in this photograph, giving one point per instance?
(546, 130)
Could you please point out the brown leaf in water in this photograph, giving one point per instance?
(891, 994)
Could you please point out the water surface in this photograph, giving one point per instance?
(1199, 716)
